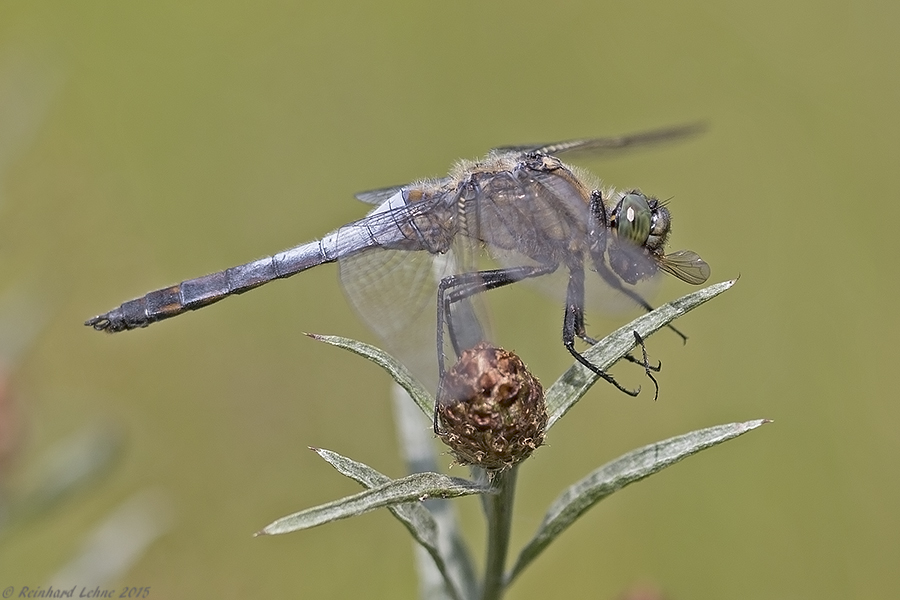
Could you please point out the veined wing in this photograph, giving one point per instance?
(591, 145)
(395, 293)
(529, 216)
(394, 289)
(381, 194)
(610, 144)
(378, 196)
(535, 217)
(686, 265)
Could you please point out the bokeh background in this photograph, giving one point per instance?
(142, 144)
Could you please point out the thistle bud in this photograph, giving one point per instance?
(490, 409)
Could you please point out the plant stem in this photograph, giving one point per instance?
(499, 509)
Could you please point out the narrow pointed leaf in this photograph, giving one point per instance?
(613, 476)
(413, 488)
(414, 516)
(397, 371)
(572, 385)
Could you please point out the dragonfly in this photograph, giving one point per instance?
(417, 253)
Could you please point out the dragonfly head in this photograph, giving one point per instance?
(642, 221)
(641, 226)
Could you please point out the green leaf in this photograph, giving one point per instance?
(572, 385)
(613, 476)
(414, 516)
(397, 371)
(412, 488)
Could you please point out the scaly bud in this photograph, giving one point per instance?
(490, 409)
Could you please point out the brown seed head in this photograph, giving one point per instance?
(490, 409)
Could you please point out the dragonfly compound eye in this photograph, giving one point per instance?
(634, 219)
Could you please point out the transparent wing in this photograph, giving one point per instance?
(588, 145)
(381, 194)
(394, 289)
(529, 216)
(686, 266)
(541, 218)
(611, 144)
(378, 196)
(395, 294)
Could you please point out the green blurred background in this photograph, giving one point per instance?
(142, 144)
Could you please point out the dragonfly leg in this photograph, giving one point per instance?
(647, 368)
(581, 333)
(628, 357)
(573, 322)
(457, 288)
(599, 229)
(614, 282)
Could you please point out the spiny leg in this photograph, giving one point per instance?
(655, 368)
(599, 229)
(574, 321)
(647, 368)
(582, 334)
(613, 281)
(456, 288)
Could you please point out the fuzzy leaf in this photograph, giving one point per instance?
(613, 476)
(414, 516)
(572, 385)
(397, 371)
(413, 488)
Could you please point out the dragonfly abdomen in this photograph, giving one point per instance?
(203, 291)
(383, 229)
